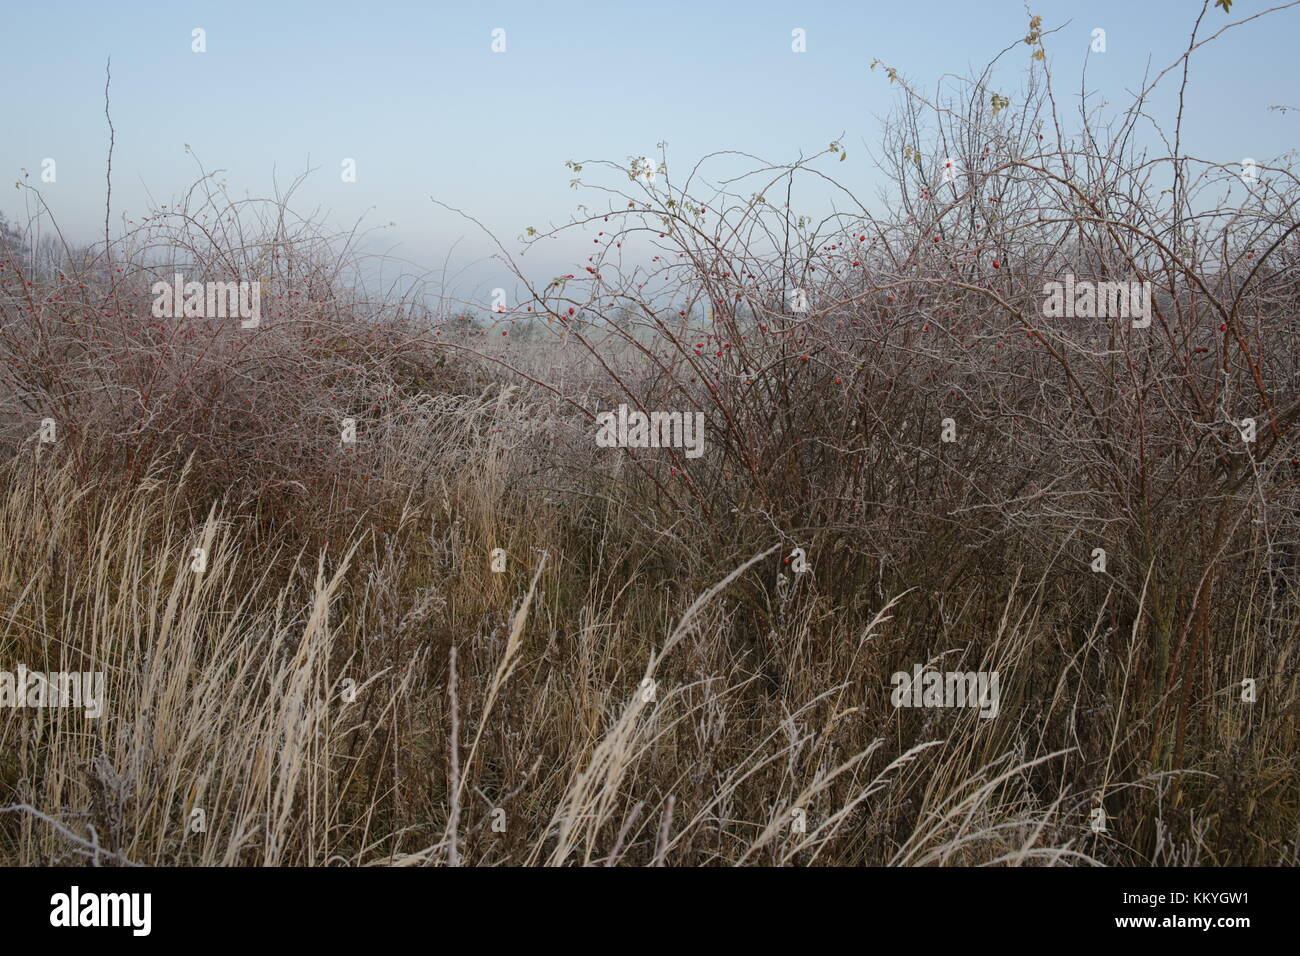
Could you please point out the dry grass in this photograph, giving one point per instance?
(224, 694)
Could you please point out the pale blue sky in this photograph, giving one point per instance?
(413, 92)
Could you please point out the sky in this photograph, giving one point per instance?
(415, 95)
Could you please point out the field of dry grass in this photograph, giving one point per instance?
(475, 637)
